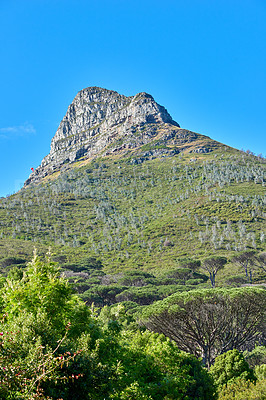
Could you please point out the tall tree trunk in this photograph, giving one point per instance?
(212, 279)
(250, 275)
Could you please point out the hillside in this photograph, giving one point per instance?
(125, 185)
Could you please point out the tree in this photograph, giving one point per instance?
(189, 263)
(35, 350)
(230, 366)
(261, 261)
(260, 372)
(26, 366)
(156, 368)
(42, 291)
(180, 274)
(141, 295)
(213, 265)
(210, 322)
(247, 261)
(256, 357)
(38, 308)
(136, 278)
(85, 264)
(102, 295)
(89, 358)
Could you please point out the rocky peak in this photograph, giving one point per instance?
(95, 120)
(96, 110)
(100, 122)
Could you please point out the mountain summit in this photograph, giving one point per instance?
(126, 190)
(100, 122)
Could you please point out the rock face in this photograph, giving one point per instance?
(102, 122)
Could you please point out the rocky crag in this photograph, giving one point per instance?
(102, 122)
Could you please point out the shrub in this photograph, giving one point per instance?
(194, 281)
(260, 372)
(256, 357)
(229, 366)
(240, 389)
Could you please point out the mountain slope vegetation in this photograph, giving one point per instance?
(144, 215)
(134, 207)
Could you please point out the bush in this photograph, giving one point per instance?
(26, 365)
(141, 295)
(8, 261)
(229, 366)
(260, 372)
(256, 357)
(240, 389)
(164, 371)
(236, 281)
(194, 281)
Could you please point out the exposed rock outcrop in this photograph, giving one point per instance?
(102, 122)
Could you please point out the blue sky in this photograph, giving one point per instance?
(204, 60)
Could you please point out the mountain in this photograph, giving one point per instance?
(101, 122)
(125, 188)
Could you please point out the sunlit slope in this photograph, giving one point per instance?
(143, 214)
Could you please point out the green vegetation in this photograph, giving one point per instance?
(144, 215)
(244, 390)
(53, 346)
(166, 244)
(230, 366)
(234, 378)
(207, 323)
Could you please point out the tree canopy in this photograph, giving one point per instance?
(230, 366)
(207, 323)
(213, 265)
(54, 346)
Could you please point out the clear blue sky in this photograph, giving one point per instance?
(204, 60)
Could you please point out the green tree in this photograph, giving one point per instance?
(38, 308)
(210, 322)
(255, 357)
(189, 263)
(213, 265)
(156, 369)
(260, 372)
(26, 364)
(247, 261)
(42, 291)
(141, 295)
(181, 274)
(230, 366)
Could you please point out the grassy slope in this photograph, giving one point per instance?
(145, 215)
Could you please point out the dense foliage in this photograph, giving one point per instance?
(207, 323)
(53, 346)
(229, 367)
(244, 390)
